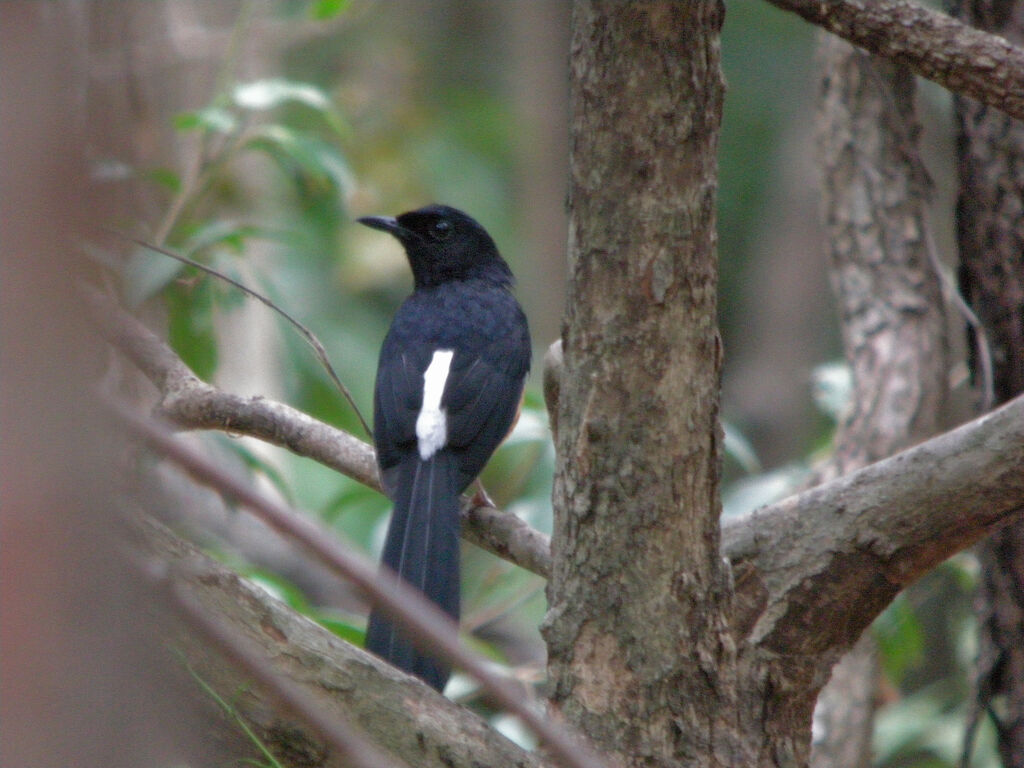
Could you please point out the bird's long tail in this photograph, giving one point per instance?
(422, 547)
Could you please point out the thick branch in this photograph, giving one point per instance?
(190, 403)
(421, 727)
(813, 570)
(965, 60)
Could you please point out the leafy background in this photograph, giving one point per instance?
(379, 107)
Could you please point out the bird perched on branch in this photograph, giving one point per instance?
(449, 386)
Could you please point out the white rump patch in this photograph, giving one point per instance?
(432, 423)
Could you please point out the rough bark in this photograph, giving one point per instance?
(892, 319)
(931, 44)
(814, 570)
(417, 726)
(990, 232)
(953, 513)
(828, 559)
(899, 517)
(890, 299)
(430, 627)
(636, 490)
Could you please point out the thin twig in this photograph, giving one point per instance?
(308, 335)
(988, 390)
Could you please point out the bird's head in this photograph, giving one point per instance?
(444, 244)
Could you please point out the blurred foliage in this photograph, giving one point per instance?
(767, 56)
(385, 107)
(928, 645)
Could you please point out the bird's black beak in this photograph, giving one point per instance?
(383, 223)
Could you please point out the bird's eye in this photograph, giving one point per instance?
(441, 230)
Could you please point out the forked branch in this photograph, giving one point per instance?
(826, 561)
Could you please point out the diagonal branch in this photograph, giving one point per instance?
(421, 727)
(813, 570)
(433, 630)
(934, 45)
(308, 336)
(190, 403)
(347, 741)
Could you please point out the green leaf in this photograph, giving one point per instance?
(926, 729)
(328, 9)
(352, 630)
(190, 329)
(263, 95)
(357, 511)
(218, 232)
(277, 586)
(316, 167)
(146, 273)
(213, 119)
(166, 178)
(900, 639)
(259, 465)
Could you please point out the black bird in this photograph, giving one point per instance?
(449, 386)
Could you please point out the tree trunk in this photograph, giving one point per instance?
(891, 311)
(636, 532)
(990, 232)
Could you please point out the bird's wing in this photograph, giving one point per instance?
(397, 399)
(480, 401)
